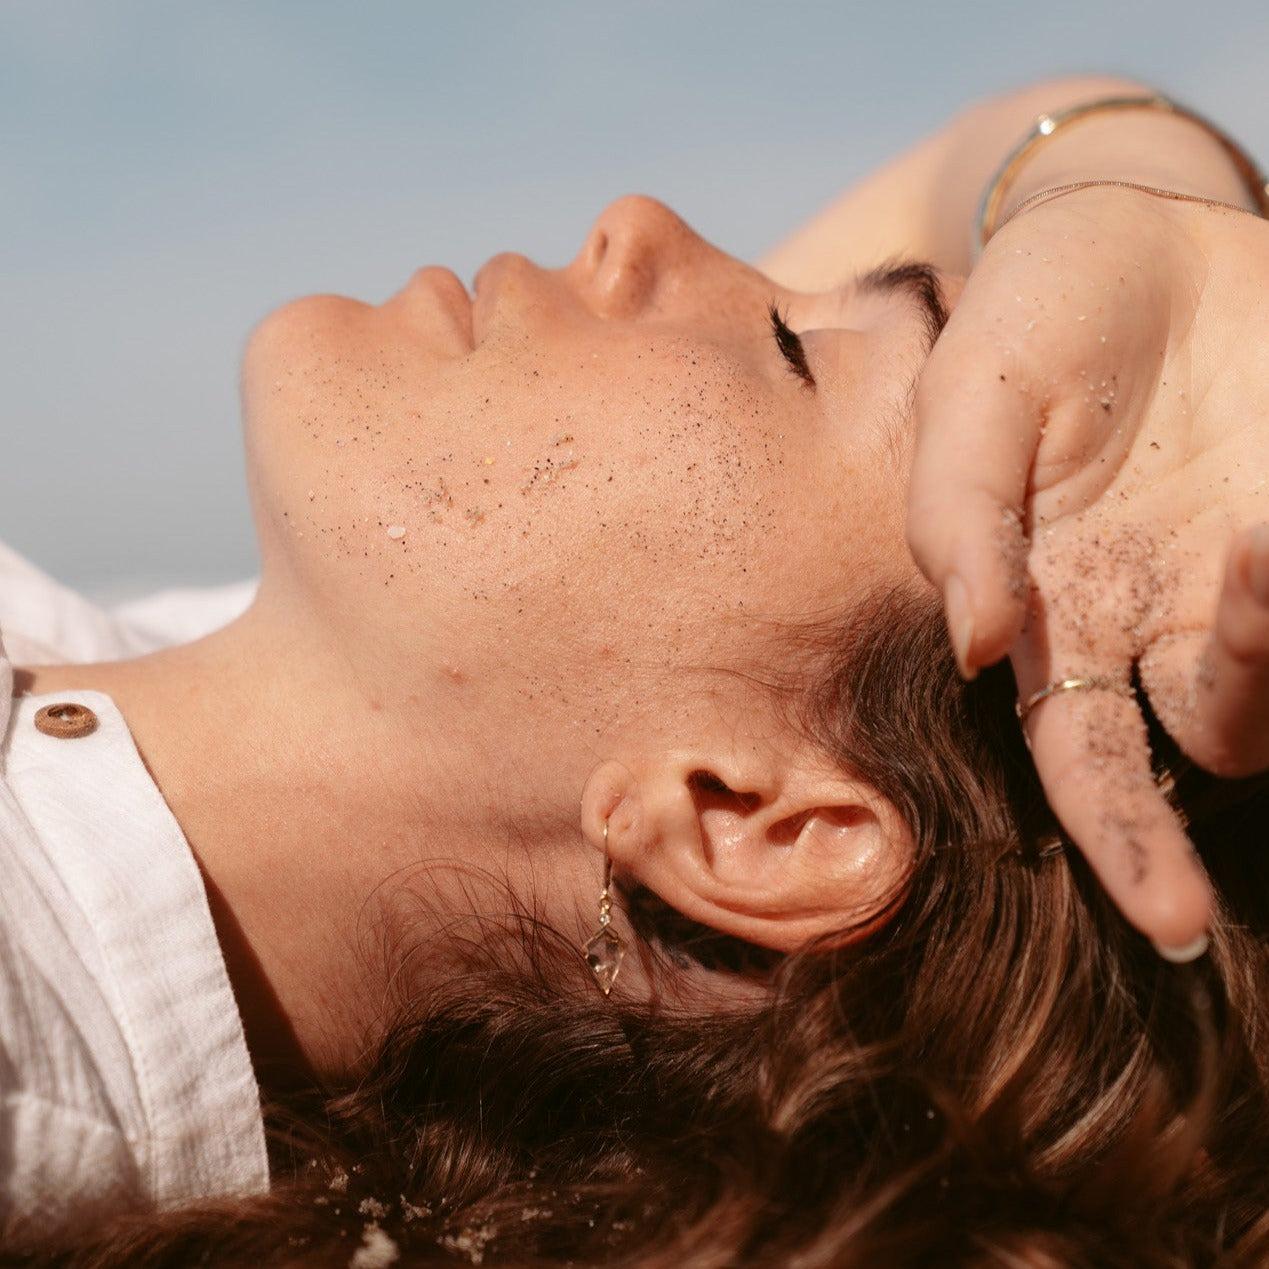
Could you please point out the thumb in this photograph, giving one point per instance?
(976, 437)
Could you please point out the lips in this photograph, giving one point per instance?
(471, 314)
(492, 280)
(484, 288)
(432, 289)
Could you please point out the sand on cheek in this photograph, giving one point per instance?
(669, 467)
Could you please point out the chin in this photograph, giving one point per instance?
(297, 336)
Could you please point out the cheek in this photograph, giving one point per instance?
(565, 499)
(655, 493)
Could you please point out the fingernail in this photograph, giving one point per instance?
(1258, 563)
(960, 623)
(1184, 954)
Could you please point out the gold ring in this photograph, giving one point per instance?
(1083, 683)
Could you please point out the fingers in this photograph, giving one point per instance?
(1093, 758)
(1211, 692)
(976, 435)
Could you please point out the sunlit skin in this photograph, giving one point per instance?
(603, 473)
(574, 443)
(1102, 386)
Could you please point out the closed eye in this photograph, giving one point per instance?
(789, 342)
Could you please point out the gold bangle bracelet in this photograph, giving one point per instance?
(1047, 125)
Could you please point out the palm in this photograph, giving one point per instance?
(1106, 358)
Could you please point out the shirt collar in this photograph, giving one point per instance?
(121, 855)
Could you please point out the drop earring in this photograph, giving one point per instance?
(604, 950)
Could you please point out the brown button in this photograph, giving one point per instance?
(66, 719)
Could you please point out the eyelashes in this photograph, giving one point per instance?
(790, 345)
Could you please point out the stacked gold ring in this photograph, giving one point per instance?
(1077, 683)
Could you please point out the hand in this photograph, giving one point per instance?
(1092, 459)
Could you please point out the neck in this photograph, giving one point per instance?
(299, 795)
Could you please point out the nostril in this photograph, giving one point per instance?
(622, 255)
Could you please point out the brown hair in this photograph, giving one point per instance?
(1005, 1074)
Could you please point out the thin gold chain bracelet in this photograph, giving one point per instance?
(1044, 195)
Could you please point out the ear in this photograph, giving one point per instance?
(775, 850)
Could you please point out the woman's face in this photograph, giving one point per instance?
(511, 537)
(568, 482)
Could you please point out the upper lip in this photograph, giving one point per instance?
(486, 287)
(450, 288)
(482, 291)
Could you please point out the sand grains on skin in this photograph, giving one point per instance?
(469, 1242)
(377, 1250)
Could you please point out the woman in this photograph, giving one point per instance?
(606, 567)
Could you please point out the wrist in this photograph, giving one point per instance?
(1144, 146)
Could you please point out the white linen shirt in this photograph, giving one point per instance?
(124, 1072)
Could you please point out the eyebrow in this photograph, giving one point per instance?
(919, 282)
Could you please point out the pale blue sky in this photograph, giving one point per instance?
(169, 172)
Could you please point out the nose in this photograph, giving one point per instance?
(633, 249)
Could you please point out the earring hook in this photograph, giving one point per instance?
(604, 950)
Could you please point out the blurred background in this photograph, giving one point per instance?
(170, 172)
